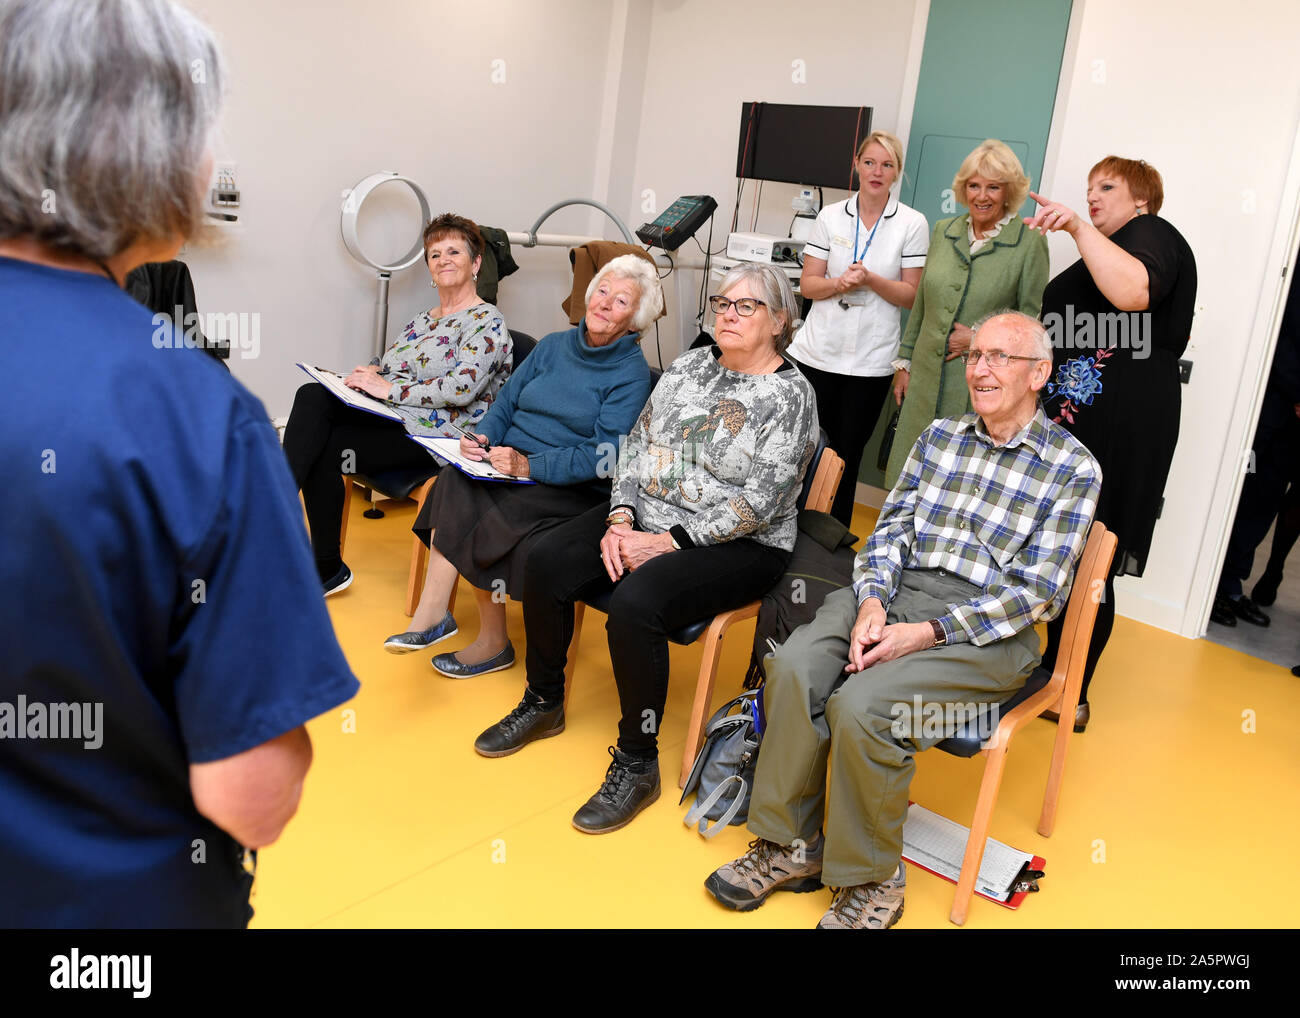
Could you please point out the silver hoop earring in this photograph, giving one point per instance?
(476, 277)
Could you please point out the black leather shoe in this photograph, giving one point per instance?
(527, 723)
(1223, 612)
(1082, 715)
(630, 786)
(1265, 592)
(1249, 610)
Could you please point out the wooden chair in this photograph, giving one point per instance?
(411, 483)
(1059, 692)
(818, 494)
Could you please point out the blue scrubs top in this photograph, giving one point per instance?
(154, 572)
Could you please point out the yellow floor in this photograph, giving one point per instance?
(1171, 816)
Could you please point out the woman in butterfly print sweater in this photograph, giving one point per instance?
(444, 369)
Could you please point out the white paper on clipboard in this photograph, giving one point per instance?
(334, 382)
(449, 450)
(938, 844)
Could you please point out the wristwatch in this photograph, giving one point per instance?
(940, 637)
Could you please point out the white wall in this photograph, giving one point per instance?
(1213, 102)
(324, 94)
(705, 57)
(614, 99)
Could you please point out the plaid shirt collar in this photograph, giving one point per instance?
(1034, 434)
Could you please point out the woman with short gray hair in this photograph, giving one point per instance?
(161, 539)
(701, 520)
(557, 421)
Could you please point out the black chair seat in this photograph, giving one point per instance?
(684, 636)
(398, 483)
(967, 740)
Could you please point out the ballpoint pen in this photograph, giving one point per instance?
(478, 440)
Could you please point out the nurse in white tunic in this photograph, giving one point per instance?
(861, 265)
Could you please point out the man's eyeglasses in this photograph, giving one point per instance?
(745, 307)
(994, 358)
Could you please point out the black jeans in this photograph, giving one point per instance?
(664, 594)
(323, 437)
(847, 409)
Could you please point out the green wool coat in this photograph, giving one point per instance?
(960, 288)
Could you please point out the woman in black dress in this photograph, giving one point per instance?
(1119, 318)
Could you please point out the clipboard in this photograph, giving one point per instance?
(448, 450)
(334, 383)
(936, 844)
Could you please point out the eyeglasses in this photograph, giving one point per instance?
(994, 358)
(745, 307)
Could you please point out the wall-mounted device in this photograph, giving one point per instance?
(678, 222)
(224, 197)
(763, 247)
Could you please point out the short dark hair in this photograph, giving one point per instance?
(449, 223)
(1143, 179)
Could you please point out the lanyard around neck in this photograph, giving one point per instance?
(857, 222)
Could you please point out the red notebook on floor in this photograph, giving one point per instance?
(936, 844)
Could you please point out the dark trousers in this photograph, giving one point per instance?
(1276, 454)
(1101, 630)
(1285, 534)
(664, 594)
(326, 438)
(847, 409)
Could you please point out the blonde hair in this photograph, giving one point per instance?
(993, 160)
(889, 143)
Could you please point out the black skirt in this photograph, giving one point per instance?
(487, 528)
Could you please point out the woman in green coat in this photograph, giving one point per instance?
(982, 261)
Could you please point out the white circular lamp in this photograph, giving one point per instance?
(352, 203)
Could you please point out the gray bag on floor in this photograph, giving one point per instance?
(723, 773)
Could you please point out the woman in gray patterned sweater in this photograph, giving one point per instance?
(702, 519)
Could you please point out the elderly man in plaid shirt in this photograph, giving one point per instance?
(976, 543)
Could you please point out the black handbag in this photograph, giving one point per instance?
(887, 443)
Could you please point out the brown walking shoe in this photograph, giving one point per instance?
(867, 906)
(745, 883)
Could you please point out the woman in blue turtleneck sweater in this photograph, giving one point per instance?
(557, 421)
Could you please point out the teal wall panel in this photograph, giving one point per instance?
(989, 69)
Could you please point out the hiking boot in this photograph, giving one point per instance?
(745, 883)
(630, 786)
(867, 906)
